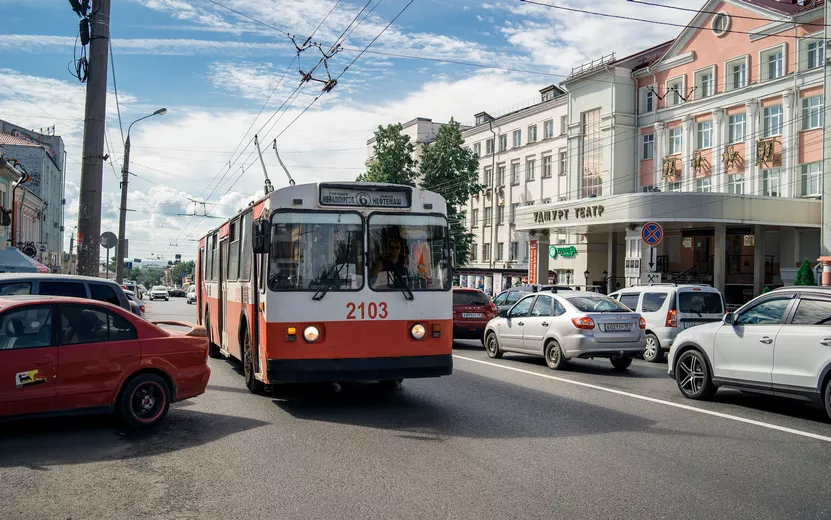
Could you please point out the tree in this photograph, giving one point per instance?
(805, 275)
(181, 268)
(766, 290)
(393, 160)
(112, 265)
(452, 170)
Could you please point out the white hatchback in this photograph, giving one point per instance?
(778, 344)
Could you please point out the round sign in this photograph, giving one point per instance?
(29, 250)
(652, 233)
(552, 251)
(42, 248)
(108, 240)
(363, 199)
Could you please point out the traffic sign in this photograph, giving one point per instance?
(652, 233)
(650, 277)
(651, 259)
(42, 248)
(128, 265)
(108, 239)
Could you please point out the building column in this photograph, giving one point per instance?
(687, 148)
(787, 176)
(611, 258)
(752, 177)
(658, 152)
(541, 265)
(758, 259)
(720, 257)
(718, 180)
(788, 244)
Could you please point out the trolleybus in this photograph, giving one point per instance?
(331, 282)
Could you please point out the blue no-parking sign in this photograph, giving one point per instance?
(652, 233)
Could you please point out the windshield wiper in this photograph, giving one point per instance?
(332, 278)
(405, 288)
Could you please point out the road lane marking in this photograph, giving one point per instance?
(652, 400)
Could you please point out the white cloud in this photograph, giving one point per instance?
(479, 17)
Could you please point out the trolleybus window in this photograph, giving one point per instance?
(316, 251)
(408, 252)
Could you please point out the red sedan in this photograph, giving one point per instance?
(68, 355)
(472, 310)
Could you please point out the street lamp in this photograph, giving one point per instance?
(586, 275)
(122, 219)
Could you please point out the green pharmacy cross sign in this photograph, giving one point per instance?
(565, 252)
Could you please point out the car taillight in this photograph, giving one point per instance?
(641, 323)
(672, 318)
(583, 323)
(141, 307)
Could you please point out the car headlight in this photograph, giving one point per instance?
(417, 331)
(311, 333)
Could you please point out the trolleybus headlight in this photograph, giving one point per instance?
(417, 331)
(311, 333)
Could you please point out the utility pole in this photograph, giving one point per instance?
(122, 220)
(92, 160)
(825, 246)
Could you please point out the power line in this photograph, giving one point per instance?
(115, 89)
(24, 98)
(737, 16)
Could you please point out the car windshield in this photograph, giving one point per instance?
(700, 303)
(469, 298)
(408, 251)
(596, 304)
(314, 251)
(192, 289)
(158, 288)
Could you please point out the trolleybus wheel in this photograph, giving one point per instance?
(255, 386)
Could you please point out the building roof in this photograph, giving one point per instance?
(786, 7)
(9, 139)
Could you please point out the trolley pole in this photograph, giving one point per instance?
(92, 160)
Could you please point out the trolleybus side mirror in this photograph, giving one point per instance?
(261, 236)
(453, 255)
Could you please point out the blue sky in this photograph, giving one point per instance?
(213, 70)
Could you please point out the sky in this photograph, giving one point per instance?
(227, 69)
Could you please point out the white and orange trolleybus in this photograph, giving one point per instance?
(331, 282)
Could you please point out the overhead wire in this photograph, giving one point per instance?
(115, 89)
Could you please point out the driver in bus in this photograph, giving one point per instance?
(393, 259)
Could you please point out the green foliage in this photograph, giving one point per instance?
(805, 275)
(393, 161)
(181, 268)
(452, 170)
(766, 290)
(149, 276)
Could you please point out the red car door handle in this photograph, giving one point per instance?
(126, 354)
(43, 362)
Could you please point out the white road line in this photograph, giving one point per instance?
(652, 400)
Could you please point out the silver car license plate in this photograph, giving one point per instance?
(471, 315)
(618, 327)
(693, 324)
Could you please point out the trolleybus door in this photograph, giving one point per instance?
(223, 293)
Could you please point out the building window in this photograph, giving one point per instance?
(704, 84)
(473, 251)
(488, 146)
(500, 246)
(514, 207)
(500, 214)
(563, 125)
(592, 155)
(815, 54)
(773, 120)
(515, 173)
(532, 134)
(705, 135)
(503, 142)
(477, 149)
(812, 180)
(563, 164)
(517, 138)
(463, 219)
(647, 100)
(474, 218)
(675, 89)
(675, 140)
(812, 113)
(500, 175)
(488, 216)
(736, 125)
(546, 167)
(721, 23)
(735, 184)
(703, 185)
(530, 166)
(737, 74)
(488, 177)
(648, 146)
(773, 63)
(486, 252)
(674, 186)
(513, 253)
(548, 129)
(770, 184)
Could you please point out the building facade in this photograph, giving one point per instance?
(716, 136)
(42, 156)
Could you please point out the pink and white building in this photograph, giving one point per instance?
(716, 135)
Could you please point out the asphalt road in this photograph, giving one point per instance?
(497, 439)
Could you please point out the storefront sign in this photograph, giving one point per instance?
(564, 251)
(577, 213)
(532, 262)
(337, 196)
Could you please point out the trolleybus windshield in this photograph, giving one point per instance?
(316, 251)
(408, 252)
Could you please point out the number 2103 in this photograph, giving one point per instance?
(363, 311)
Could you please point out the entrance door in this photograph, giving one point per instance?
(223, 292)
(701, 253)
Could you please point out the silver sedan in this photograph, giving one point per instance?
(565, 325)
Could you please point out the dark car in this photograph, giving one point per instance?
(507, 298)
(472, 310)
(90, 287)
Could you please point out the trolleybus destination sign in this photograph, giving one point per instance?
(337, 196)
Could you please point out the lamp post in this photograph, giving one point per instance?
(122, 219)
(586, 275)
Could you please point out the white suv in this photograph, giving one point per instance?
(777, 344)
(668, 309)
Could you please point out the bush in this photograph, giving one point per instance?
(805, 275)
